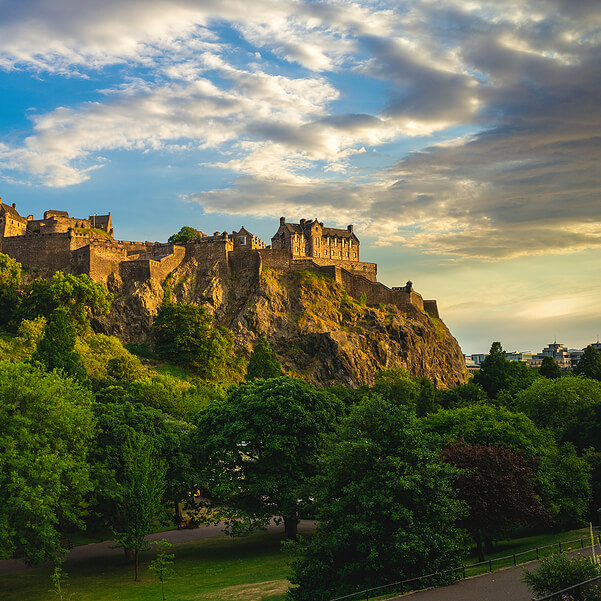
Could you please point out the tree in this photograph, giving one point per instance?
(257, 450)
(10, 279)
(118, 423)
(186, 234)
(46, 425)
(561, 477)
(143, 488)
(498, 486)
(463, 395)
(263, 362)
(497, 374)
(161, 566)
(589, 364)
(556, 404)
(184, 334)
(79, 295)
(549, 368)
(56, 348)
(397, 386)
(387, 507)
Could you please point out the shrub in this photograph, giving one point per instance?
(559, 571)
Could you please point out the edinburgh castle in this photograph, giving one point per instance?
(59, 242)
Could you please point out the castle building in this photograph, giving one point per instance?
(58, 242)
(311, 239)
(11, 223)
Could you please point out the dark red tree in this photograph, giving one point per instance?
(498, 486)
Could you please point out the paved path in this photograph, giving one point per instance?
(109, 548)
(503, 585)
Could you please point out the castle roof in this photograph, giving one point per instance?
(100, 219)
(305, 226)
(12, 211)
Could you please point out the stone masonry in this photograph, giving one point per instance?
(59, 242)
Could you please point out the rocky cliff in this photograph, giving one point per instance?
(317, 330)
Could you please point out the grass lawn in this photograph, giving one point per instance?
(215, 569)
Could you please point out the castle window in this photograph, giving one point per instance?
(339, 253)
(350, 244)
(354, 255)
(296, 249)
(347, 255)
(242, 239)
(315, 253)
(329, 241)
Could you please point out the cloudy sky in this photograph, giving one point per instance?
(461, 137)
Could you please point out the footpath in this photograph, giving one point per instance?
(109, 548)
(502, 585)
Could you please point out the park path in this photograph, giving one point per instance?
(108, 548)
(502, 585)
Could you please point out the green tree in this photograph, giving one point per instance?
(186, 234)
(161, 565)
(397, 386)
(555, 404)
(118, 423)
(263, 363)
(184, 334)
(46, 425)
(79, 295)
(562, 477)
(463, 396)
(143, 487)
(257, 450)
(10, 279)
(497, 374)
(387, 507)
(56, 348)
(549, 368)
(589, 364)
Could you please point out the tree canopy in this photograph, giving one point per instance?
(263, 362)
(589, 364)
(46, 424)
(387, 507)
(185, 234)
(257, 450)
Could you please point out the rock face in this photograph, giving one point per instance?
(316, 329)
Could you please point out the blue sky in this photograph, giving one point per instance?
(462, 138)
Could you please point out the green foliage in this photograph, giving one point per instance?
(10, 279)
(58, 578)
(387, 507)
(160, 567)
(46, 424)
(427, 400)
(363, 299)
(562, 478)
(497, 374)
(558, 572)
(56, 348)
(77, 294)
(257, 450)
(555, 404)
(397, 386)
(589, 364)
(549, 368)
(119, 423)
(143, 486)
(186, 234)
(184, 334)
(105, 357)
(463, 395)
(263, 363)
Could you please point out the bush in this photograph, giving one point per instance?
(557, 572)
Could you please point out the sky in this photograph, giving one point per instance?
(462, 138)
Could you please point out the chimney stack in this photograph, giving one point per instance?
(14, 205)
(282, 220)
(349, 228)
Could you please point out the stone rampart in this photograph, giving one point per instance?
(210, 254)
(431, 308)
(46, 252)
(276, 258)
